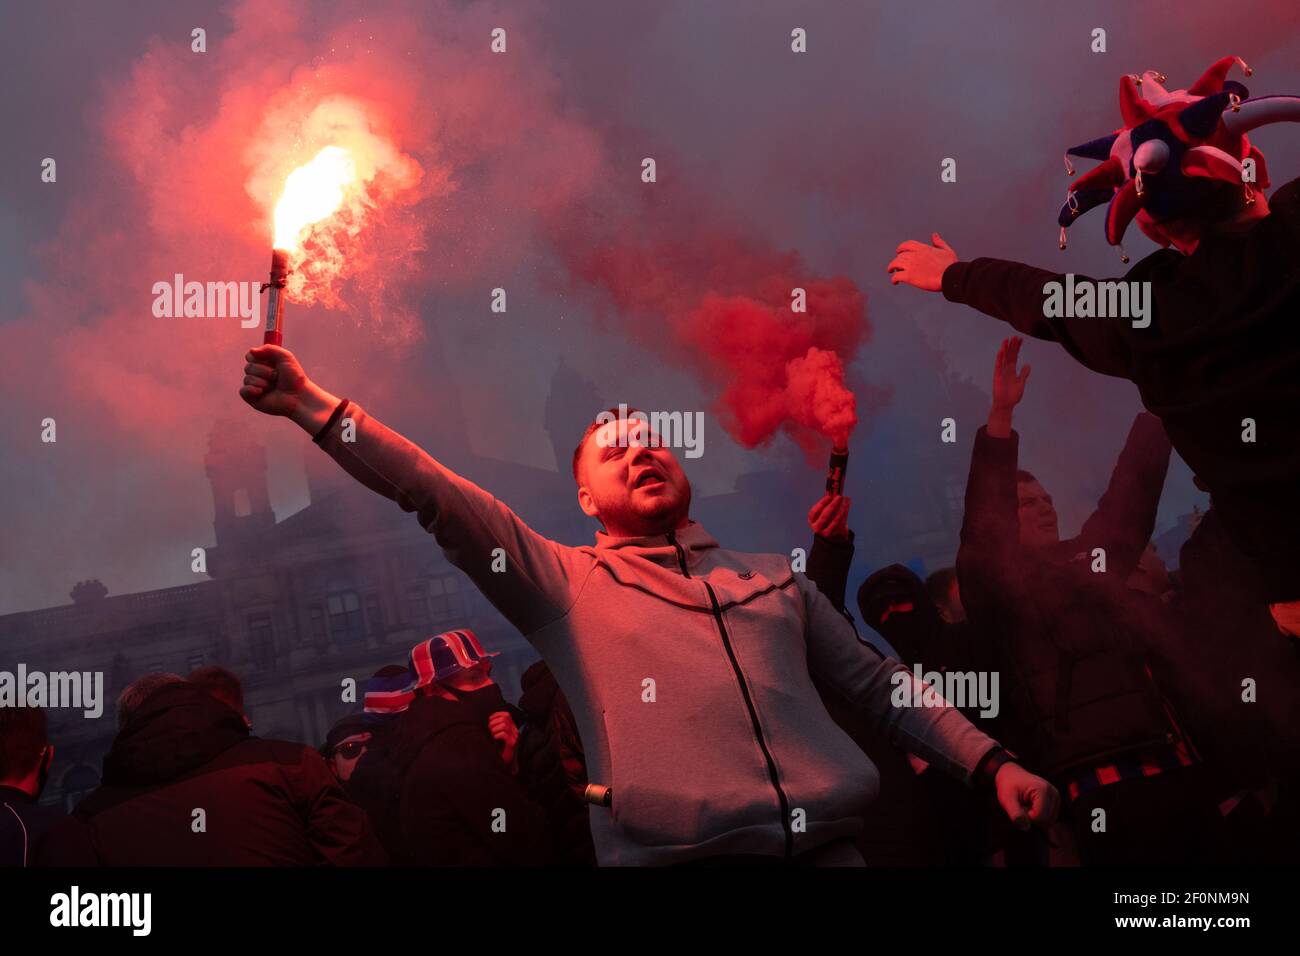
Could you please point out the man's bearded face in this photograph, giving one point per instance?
(632, 487)
(1038, 527)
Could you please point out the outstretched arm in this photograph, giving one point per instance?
(1016, 294)
(531, 580)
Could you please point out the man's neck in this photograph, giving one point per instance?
(654, 532)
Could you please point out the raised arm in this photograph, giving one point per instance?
(990, 530)
(832, 547)
(1126, 514)
(530, 579)
(1016, 294)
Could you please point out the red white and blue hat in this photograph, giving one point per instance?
(430, 661)
(1176, 153)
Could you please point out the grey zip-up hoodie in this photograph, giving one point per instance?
(688, 668)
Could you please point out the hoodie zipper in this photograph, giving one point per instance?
(753, 716)
(681, 555)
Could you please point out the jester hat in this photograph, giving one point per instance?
(1181, 160)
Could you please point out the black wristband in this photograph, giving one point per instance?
(335, 415)
(986, 771)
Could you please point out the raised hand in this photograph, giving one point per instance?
(1008, 387)
(922, 265)
(829, 517)
(1008, 384)
(273, 380)
(275, 384)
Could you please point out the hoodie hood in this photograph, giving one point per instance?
(178, 729)
(693, 540)
(912, 632)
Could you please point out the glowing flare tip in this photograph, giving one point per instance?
(312, 192)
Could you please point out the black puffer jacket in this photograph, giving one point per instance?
(263, 802)
(553, 767)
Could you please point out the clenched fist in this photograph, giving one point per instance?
(275, 384)
(1026, 798)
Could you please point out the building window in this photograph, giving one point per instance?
(345, 616)
(374, 615)
(261, 641)
(317, 624)
(417, 606)
(447, 599)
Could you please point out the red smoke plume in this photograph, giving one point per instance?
(723, 306)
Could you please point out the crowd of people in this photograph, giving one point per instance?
(700, 706)
(1116, 685)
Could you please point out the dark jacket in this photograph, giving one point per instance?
(1229, 637)
(553, 767)
(1074, 667)
(899, 829)
(452, 785)
(1216, 353)
(23, 826)
(264, 802)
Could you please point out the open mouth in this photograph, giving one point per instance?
(648, 479)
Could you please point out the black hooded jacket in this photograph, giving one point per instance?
(454, 802)
(262, 802)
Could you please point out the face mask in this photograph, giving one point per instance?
(484, 702)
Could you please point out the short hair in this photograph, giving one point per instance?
(23, 736)
(939, 585)
(220, 683)
(1024, 477)
(139, 690)
(597, 423)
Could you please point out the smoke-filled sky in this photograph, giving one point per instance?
(522, 171)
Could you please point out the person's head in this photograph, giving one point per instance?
(138, 691)
(894, 603)
(626, 479)
(470, 679)
(946, 595)
(221, 684)
(25, 749)
(345, 744)
(1037, 514)
(1150, 576)
(447, 665)
(1181, 164)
